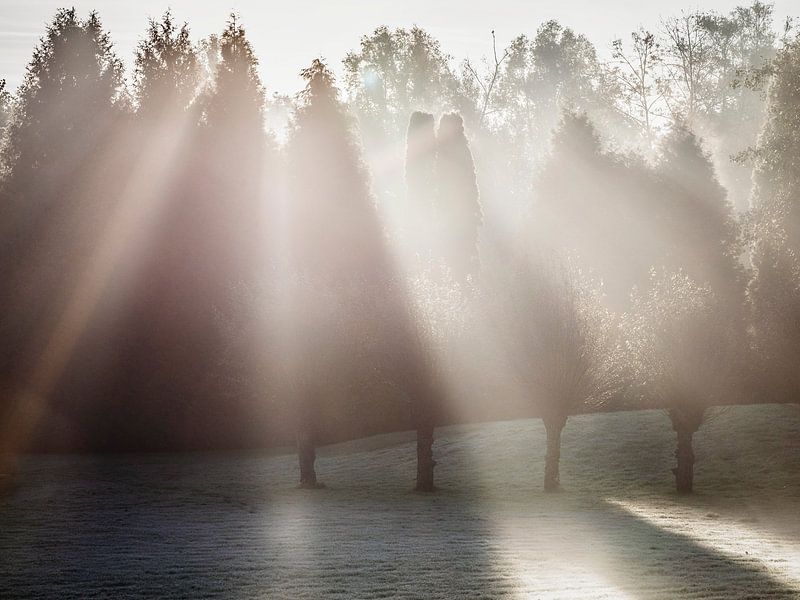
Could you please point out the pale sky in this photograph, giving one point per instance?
(288, 35)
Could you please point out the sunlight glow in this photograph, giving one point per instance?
(777, 555)
(126, 235)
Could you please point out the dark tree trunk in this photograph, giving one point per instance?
(425, 462)
(306, 454)
(553, 426)
(685, 422)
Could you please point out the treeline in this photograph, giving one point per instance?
(540, 235)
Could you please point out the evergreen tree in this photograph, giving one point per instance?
(773, 292)
(336, 243)
(702, 231)
(598, 206)
(63, 174)
(459, 211)
(776, 192)
(336, 233)
(5, 107)
(418, 214)
(167, 71)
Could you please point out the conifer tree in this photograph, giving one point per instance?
(336, 240)
(167, 69)
(702, 231)
(418, 213)
(62, 174)
(773, 292)
(459, 215)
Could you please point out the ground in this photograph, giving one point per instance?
(235, 525)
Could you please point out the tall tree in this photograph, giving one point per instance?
(167, 69)
(5, 106)
(702, 230)
(773, 290)
(417, 217)
(640, 81)
(63, 170)
(335, 236)
(740, 45)
(393, 73)
(457, 204)
(586, 196)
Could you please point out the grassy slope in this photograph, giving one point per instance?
(235, 526)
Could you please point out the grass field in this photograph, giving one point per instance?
(235, 525)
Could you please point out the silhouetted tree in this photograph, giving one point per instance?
(773, 291)
(62, 177)
(167, 70)
(459, 211)
(585, 196)
(437, 312)
(5, 107)
(561, 343)
(686, 357)
(393, 73)
(335, 239)
(702, 231)
(417, 216)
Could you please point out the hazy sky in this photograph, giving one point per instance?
(288, 34)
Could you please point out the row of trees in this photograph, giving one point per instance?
(176, 278)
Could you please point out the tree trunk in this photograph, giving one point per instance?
(425, 462)
(306, 454)
(553, 427)
(685, 422)
(684, 454)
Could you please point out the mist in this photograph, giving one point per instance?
(413, 242)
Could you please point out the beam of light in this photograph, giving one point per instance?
(547, 565)
(742, 543)
(137, 210)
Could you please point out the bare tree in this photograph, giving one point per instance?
(487, 80)
(687, 59)
(640, 82)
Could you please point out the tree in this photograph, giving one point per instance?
(69, 99)
(586, 196)
(167, 70)
(61, 175)
(776, 176)
(703, 233)
(775, 231)
(5, 107)
(687, 59)
(731, 108)
(417, 229)
(686, 356)
(640, 82)
(561, 343)
(335, 238)
(393, 73)
(487, 82)
(458, 207)
(426, 332)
